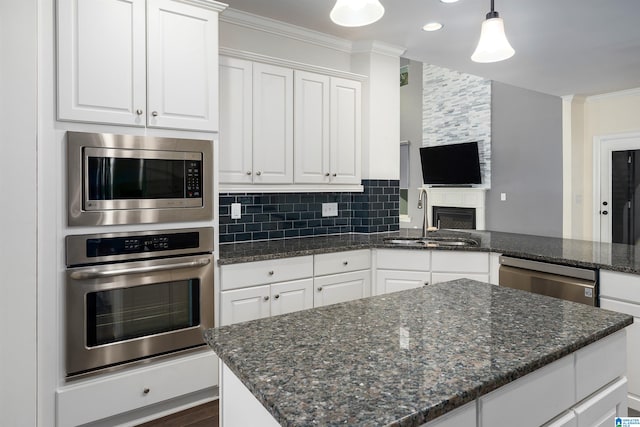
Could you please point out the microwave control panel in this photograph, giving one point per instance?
(194, 180)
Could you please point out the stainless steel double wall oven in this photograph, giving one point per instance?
(135, 295)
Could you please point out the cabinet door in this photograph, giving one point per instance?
(311, 128)
(346, 131)
(272, 124)
(236, 122)
(601, 409)
(633, 346)
(445, 277)
(242, 305)
(388, 281)
(341, 287)
(291, 296)
(101, 61)
(182, 50)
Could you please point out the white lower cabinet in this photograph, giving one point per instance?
(452, 265)
(342, 287)
(113, 395)
(566, 420)
(242, 305)
(388, 281)
(621, 292)
(601, 409)
(291, 296)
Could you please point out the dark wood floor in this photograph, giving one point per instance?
(200, 416)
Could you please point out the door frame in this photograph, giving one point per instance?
(599, 143)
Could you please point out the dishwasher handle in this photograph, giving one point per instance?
(545, 267)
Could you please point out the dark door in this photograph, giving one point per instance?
(625, 197)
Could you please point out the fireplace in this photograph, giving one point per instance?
(462, 207)
(454, 217)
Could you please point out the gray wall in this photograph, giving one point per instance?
(526, 162)
(411, 130)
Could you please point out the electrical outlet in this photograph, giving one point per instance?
(329, 209)
(236, 210)
(503, 197)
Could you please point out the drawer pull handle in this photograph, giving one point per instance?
(146, 391)
(271, 273)
(345, 262)
(266, 298)
(277, 296)
(319, 288)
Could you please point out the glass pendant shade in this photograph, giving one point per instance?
(493, 45)
(356, 13)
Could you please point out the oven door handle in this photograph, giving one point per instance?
(100, 274)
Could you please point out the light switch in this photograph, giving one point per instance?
(236, 210)
(329, 209)
(503, 197)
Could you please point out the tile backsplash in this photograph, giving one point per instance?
(285, 215)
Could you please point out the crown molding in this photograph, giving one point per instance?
(627, 92)
(206, 4)
(374, 46)
(256, 57)
(272, 26)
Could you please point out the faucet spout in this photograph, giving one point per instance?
(423, 205)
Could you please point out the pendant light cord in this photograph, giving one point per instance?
(493, 13)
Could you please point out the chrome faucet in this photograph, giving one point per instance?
(423, 205)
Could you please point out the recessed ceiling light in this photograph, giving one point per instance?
(432, 26)
(448, 1)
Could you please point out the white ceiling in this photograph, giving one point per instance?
(563, 47)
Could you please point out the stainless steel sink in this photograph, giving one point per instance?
(430, 241)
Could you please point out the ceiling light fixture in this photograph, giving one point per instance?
(432, 26)
(356, 13)
(493, 45)
(448, 1)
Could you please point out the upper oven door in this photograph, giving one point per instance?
(125, 179)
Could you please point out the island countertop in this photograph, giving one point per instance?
(404, 358)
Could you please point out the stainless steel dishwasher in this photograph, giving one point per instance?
(559, 281)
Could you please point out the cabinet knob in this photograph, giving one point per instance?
(271, 273)
(258, 173)
(319, 288)
(334, 175)
(154, 113)
(139, 112)
(277, 296)
(345, 262)
(326, 174)
(266, 298)
(248, 172)
(146, 391)
(426, 283)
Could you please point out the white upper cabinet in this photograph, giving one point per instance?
(182, 52)
(284, 126)
(236, 123)
(346, 131)
(137, 63)
(272, 124)
(311, 128)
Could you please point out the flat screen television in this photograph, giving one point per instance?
(453, 164)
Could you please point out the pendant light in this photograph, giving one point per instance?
(493, 45)
(356, 13)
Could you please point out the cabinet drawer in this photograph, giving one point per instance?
(457, 261)
(620, 285)
(600, 363)
(263, 272)
(96, 399)
(550, 389)
(398, 259)
(342, 262)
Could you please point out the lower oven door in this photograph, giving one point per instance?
(119, 313)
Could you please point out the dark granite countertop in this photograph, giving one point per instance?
(404, 358)
(578, 253)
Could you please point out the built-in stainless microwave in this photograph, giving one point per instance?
(125, 179)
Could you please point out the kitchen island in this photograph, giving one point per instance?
(454, 352)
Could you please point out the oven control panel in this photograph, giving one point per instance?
(129, 246)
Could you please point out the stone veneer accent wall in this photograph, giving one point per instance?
(280, 215)
(457, 108)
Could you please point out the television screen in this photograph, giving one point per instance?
(454, 164)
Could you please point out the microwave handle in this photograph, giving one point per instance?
(99, 274)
